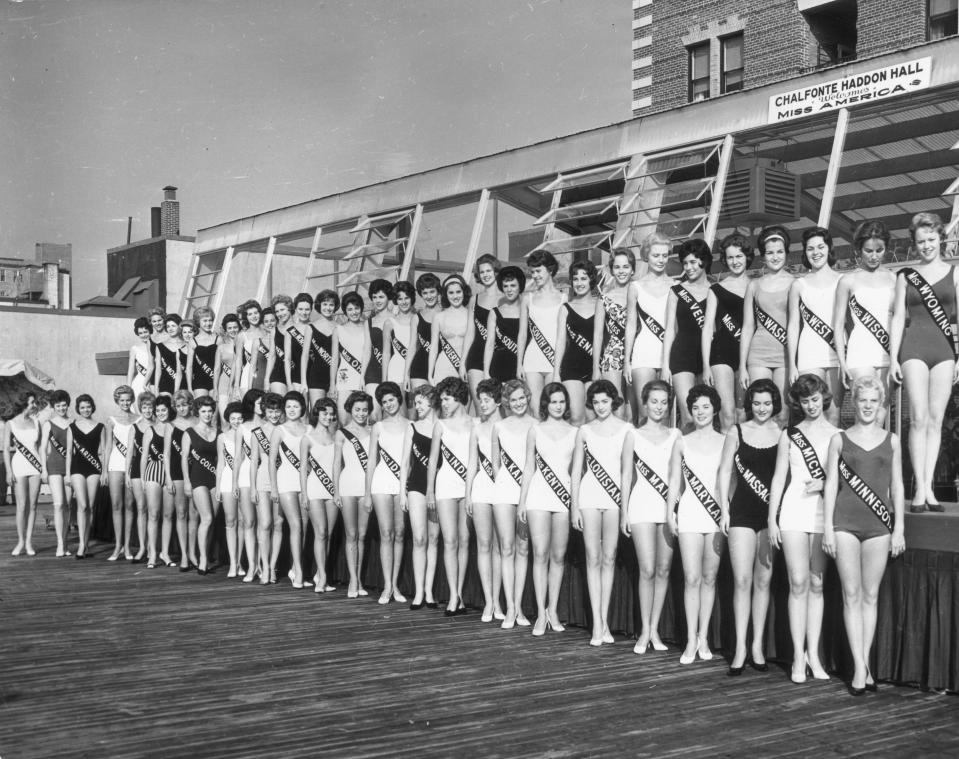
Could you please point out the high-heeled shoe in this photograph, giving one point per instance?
(853, 691)
(539, 630)
(798, 677)
(608, 636)
(702, 650)
(658, 645)
(203, 572)
(871, 686)
(522, 621)
(115, 555)
(553, 623)
(687, 658)
(165, 560)
(820, 675)
(398, 597)
(735, 671)
(384, 598)
(640, 647)
(352, 594)
(451, 612)
(31, 551)
(935, 508)
(17, 550)
(596, 642)
(187, 568)
(509, 622)
(416, 606)
(758, 666)
(487, 615)
(432, 605)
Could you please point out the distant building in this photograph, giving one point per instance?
(43, 283)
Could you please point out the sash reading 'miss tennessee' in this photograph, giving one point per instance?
(691, 303)
(817, 325)
(871, 324)
(702, 494)
(553, 480)
(769, 323)
(931, 301)
(865, 494)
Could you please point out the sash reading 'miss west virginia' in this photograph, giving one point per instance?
(604, 478)
(691, 303)
(702, 494)
(817, 325)
(871, 324)
(321, 474)
(361, 453)
(551, 478)
(931, 301)
(768, 322)
(865, 494)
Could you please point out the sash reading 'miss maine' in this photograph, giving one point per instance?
(604, 478)
(691, 303)
(865, 494)
(552, 479)
(768, 322)
(871, 324)
(931, 301)
(702, 494)
(817, 325)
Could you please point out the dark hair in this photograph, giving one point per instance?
(806, 386)
(605, 387)
(654, 385)
(698, 248)
(455, 279)
(268, 311)
(351, 299)
(762, 386)
(234, 407)
(175, 318)
(544, 398)
(511, 272)
(228, 319)
(490, 387)
(297, 397)
(455, 388)
(827, 238)
(250, 397)
(630, 256)
(272, 400)
(84, 398)
(357, 396)
(771, 232)
(188, 323)
(587, 266)
(426, 282)
(303, 298)
(321, 404)
(387, 388)
(23, 400)
(243, 308)
(487, 258)
(869, 230)
(736, 240)
(204, 401)
(142, 323)
(542, 258)
(380, 286)
(704, 391)
(59, 396)
(324, 295)
(403, 287)
(163, 399)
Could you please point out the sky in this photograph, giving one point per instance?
(250, 105)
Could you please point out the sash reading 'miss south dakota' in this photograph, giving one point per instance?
(541, 342)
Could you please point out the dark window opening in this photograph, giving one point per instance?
(943, 19)
(699, 72)
(731, 64)
(834, 27)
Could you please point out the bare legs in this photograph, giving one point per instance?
(61, 511)
(549, 535)
(577, 401)
(600, 536)
(725, 382)
(513, 559)
(322, 516)
(483, 524)
(929, 391)
(425, 531)
(230, 509)
(85, 489)
(181, 505)
(700, 553)
(247, 519)
(206, 507)
(26, 492)
(452, 518)
(751, 557)
(805, 564)
(121, 502)
(389, 517)
(682, 383)
(140, 501)
(264, 530)
(153, 495)
(654, 552)
(355, 520)
(290, 507)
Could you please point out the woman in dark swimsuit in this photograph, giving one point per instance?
(320, 357)
(282, 309)
(87, 447)
(53, 452)
(198, 461)
(380, 293)
(201, 355)
(417, 360)
(502, 327)
(169, 369)
(486, 295)
(183, 417)
(574, 338)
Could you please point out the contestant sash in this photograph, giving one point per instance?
(480, 327)
(264, 351)
(931, 301)
(205, 368)
(651, 324)
(376, 351)
(454, 463)
(59, 448)
(320, 350)
(508, 343)
(865, 494)
(871, 324)
(551, 478)
(278, 348)
(702, 494)
(585, 344)
(511, 466)
(325, 480)
(655, 481)
(485, 463)
(541, 342)
(246, 449)
(392, 464)
(614, 327)
(228, 458)
(139, 368)
(733, 327)
(692, 304)
(421, 339)
(451, 355)
(423, 457)
(809, 455)
(751, 479)
(29, 455)
(290, 456)
(170, 369)
(816, 324)
(263, 440)
(398, 347)
(604, 478)
(119, 445)
(768, 322)
(352, 360)
(227, 369)
(361, 453)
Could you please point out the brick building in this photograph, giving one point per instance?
(689, 50)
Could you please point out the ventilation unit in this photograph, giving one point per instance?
(759, 192)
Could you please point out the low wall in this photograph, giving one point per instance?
(64, 344)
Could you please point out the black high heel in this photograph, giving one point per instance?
(853, 691)
(761, 667)
(735, 671)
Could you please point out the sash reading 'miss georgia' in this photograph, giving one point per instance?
(321, 474)
(870, 323)
(702, 494)
(865, 494)
(931, 301)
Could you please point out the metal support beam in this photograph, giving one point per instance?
(265, 273)
(410, 247)
(476, 235)
(188, 285)
(312, 259)
(221, 281)
(719, 188)
(832, 173)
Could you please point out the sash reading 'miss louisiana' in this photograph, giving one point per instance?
(604, 478)
(702, 494)
(865, 494)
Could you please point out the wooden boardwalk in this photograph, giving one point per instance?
(106, 659)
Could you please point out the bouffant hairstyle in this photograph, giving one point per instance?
(806, 386)
(736, 240)
(448, 282)
(762, 386)
(604, 387)
(822, 232)
(546, 396)
(491, 387)
(543, 258)
(698, 248)
(358, 396)
(351, 299)
(455, 388)
(388, 388)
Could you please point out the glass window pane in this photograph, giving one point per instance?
(699, 61)
(939, 7)
(587, 177)
(573, 244)
(383, 220)
(586, 209)
(733, 53)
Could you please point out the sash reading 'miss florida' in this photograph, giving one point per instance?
(931, 301)
(865, 494)
(702, 494)
(817, 325)
(870, 323)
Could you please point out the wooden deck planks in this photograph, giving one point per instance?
(113, 660)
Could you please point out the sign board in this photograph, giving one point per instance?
(851, 90)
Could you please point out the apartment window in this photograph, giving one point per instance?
(699, 72)
(943, 18)
(731, 64)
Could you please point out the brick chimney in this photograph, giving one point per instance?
(169, 212)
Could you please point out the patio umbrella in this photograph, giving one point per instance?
(18, 377)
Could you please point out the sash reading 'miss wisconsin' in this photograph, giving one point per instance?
(865, 494)
(871, 324)
(705, 498)
(931, 301)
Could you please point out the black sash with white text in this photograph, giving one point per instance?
(452, 356)
(931, 301)
(691, 303)
(702, 494)
(454, 463)
(817, 325)
(59, 448)
(768, 323)
(551, 478)
(541, 342)
(398, 347)
(119, 445)
(604, 478)
(262, 439)
(29, 455)
(392, 464)
(813, 464)
(352, 360)
(511, 466)
(205, 368)
(486, 464)
(752, 481)
(865, 494)
(361, 453)
(325, 480)
(228, 458)
(290, 456)
(320, 351)
(651, 324)
(655, 481)
(871, 324)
